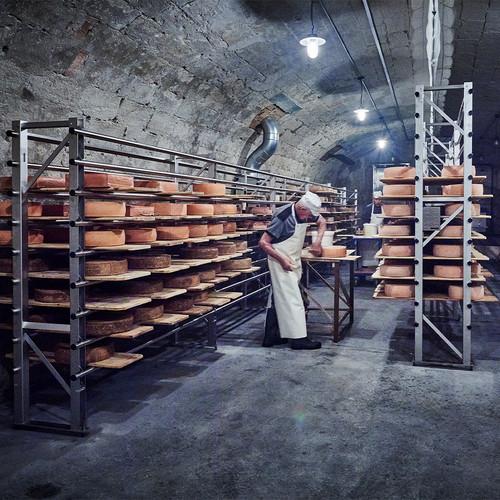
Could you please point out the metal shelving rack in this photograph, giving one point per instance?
(82, 151)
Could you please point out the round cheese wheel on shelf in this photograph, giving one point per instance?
(401, 172)
(241, 245)
(34, 209)
(237, 264)
(452, 232)
(396, 270)
(148, 312)
(102, 324)
(106, 267)
(334, 251)
(56, 210)
(215, 267)
(168, 208)
(173, 232)
(398, 210)
(207, 274)
(51, 295)
(198, 252)
(105, 238)
(210, 188)
(200, 209)
(458, 190)
(259, 226)
(144, 286)
(199, 296)
(182, 281)
(140, 211)
(452, 207)
(160, 261)
(448, 271)
(97, 180)
(35, 237)
(226, 247)
(198, 230)
(161, 186)
(229, 227)
(225, 209)
(394, 230)
(41, 182)
(456, 292)
(398, 190)
(261, 210)
(5, 237)
(455, 171)
(215, 229)
(397, 250)
(399, 290)
(62, 353)
(141, 235)
(94, 208)
(178, 304)
(443, 250)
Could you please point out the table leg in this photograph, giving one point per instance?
(351, 292)
(336, 302)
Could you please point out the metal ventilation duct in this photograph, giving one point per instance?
(269, 144)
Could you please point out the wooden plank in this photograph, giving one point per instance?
(118, 361)
(213, 301)
(168, 319)
(64, 275)
(431, 277)
(377, 276)
(201, 287)
(167, 293)
(195, 311)
(249, 270)
(133, 333)
(117, 248)
(5, 300)
(378, 255)
(228, 274)
(488, 297)
(223, 258)
(191, 262)
(226, 295)
(218, 280)
(108, 304)
(139, 218)
(174, 268)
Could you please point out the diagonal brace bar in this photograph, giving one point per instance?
(436, 330)
(443, 225)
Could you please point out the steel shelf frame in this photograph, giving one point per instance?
(456, 151)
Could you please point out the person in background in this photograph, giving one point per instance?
(283, 242)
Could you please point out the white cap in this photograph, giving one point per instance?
(311, 201)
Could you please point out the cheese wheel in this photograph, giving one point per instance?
(396, 270)
(105, 267)
(398, 190)
(452, 207)
(334, 251)
(41, 182)
(200, 209)
(200, 253)
(62, 353)
(447, 271)
(225, 209)
(395, 250)
(399, 290)
(144, 286)
(398, 210)
(140, 235)
(105, 323)
(442, 250)
(455, 171)
(95, 208)
(402, 172)
(34, 209)
(161, 186)
(98, 180)
(198, 230)
(178, 304)
(173, 232)
(210, 188)
(51, 295)
(215, 229)
(226, 247)
(245, 224)
(259, 226)
(148, 312)
(149, 261)
(452, 232)
(199, 296)
(35, 237)
(56, 210)
(139, 210)
(229, 227)
(241, 245)
(215, 267)
(237, 264)
(5, 237)
(394, 230)
(456, 292)
(182, 281)
(105, 238)
(207, 275)
(261, 210)
(458, 190)
(167, 208)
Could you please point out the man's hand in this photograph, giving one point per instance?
(316, 248)
(287, 264)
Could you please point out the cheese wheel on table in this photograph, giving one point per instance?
(452, 207)
(225, 209)
(215, 229)
(105, 238)
(397, 250)
(148, 312)
(182, 281)
(396, 270)
(34, 209)
(161, 186)
(171, 209)
(100, 180)
(51, 296)
(198, 230)
(456, 292)
(394, 230)
(177, 304)
(398, 210)
(62, 353)
(399, 290)
(95, 208)
(200, 209)
(458, 190)
(229, 227)
(443, 250)
(160, 261)
(334, 251)
(140, 211)
(172, 232)
(102, 324)
(400, 172)
(105, 267)
(241, 245)
(144, 286)
(398, 190)
(455, 171)
(210, 188)
(226, 247)
(237, 264)
(141, 235)
(452, 232)
(200, 253)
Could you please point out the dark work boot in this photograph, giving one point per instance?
(304, 343)
(271, 330)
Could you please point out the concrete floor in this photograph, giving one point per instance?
(353, 420)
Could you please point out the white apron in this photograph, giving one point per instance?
(285, 285)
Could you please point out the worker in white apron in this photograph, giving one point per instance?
(283, 242)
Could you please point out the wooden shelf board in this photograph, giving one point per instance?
(191, 262)
(213, 301)
(118, 361)
(385, 237)
(218, 280)
(377, 276)
(174, 268)
(223, 258)
(400, 197)
(64, 275)
(431, 277)
(226, 295)
(168, 319)
(488, 297)
(201, 287)
(167, 293)
(133, 333)
(478, 179)
(252, 269)
(378, 255)
(109, 304)
(195, 311)
(228, 274)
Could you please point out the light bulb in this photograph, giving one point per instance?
(361, 114)
(312, 44)
(381, 143)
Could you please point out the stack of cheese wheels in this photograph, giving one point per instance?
(94, 208)
(51, 295)
(198, 230)
(450, 251)
(106, 267)
(225, 209)
(178, 304)
(105, 238)
(229, 227)
(148, 312)
(455, 171)
(454, 272)
(215, 229)
(394, 230)
(199, 252)
(396, 270)
(200, 209)
(170, 209)
(34, 237)
(453, 207)
(102, 324)
(241, 245)
(140, 211)
(141, 235)
(458, 190)
(145, 286)
(62, 353)
(160, 261)
(172, 232)
(399, 290)
(226, 247)
(237, 264)
(42, 182)
(398, 250)
(56, 210)
(34, 209)
(398, 190)
(400, 172)
(335, 251)
(93, 180)
(398, 210)
(158, 186)
(207, 274)
(210, 189)
(456, 292)
(182, 280)
(264, 210)
(199, 296)
(451, 232)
